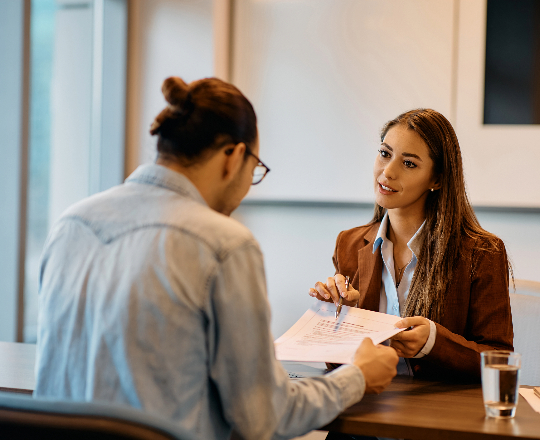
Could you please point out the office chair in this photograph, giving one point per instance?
(25, 418)
(525, 303)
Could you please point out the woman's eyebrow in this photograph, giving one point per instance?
(412, 155)
(384, 144)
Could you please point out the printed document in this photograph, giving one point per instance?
(530, 397)
(319, 337)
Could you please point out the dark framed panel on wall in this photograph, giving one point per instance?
(512, 72)
(501, 157)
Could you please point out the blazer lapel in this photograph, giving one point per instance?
(369, 272)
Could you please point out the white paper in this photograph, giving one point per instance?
(528, 394)
(318, 337)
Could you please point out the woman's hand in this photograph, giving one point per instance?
(409, 342)
(333, 289)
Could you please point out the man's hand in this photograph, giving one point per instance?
(333, 289)
(409, 343)
(378, 363)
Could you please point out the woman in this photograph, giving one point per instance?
(424, 255)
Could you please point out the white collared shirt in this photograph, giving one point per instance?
(392, 299)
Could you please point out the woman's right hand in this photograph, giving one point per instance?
(333, 289)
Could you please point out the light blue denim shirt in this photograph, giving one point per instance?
(150, 298)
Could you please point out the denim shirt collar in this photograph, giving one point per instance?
(158, 175)
(414, 244)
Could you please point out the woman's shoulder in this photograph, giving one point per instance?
(482, 241)
(484, 250)
(359, 236)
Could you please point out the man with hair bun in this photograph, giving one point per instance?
(153, 297)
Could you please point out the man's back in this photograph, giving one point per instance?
(151, 299)
(127, 290)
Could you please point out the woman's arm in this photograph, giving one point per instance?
(488, 319)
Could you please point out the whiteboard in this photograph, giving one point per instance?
(325, 75)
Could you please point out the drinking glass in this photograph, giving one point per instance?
(500, 382)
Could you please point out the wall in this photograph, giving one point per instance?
(71, 107)
(14, 112)
(325, 75)
(166, 38)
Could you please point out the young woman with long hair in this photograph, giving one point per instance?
(424, 255)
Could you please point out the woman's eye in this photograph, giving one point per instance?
(409, 164)
(384, 153)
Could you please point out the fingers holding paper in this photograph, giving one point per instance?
(333, 289)
(378, 364)
(409, 343)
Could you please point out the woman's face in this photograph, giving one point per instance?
(403, 170)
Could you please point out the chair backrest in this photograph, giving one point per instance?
(527, 287)
(23, 417)
(526, 320)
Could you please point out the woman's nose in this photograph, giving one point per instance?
(390, 171)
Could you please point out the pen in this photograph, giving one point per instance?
(338, 310)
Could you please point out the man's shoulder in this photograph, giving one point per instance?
(222, 233)
(91, 206)
(124, 209)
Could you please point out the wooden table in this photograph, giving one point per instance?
(414, 409)
(17, 367)
(408, 408)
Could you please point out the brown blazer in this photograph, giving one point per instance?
(477, 316)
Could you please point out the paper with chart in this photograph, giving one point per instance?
(318, 337)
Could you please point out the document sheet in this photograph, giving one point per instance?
(319, 337)
(528, 394)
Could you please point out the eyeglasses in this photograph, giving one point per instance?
(260, 171)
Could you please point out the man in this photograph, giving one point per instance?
(151, 296)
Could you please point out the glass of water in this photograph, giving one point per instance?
(500, 382)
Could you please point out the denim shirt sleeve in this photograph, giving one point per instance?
(258, 399)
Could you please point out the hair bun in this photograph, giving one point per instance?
(175, 91)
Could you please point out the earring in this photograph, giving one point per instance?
(432, 190)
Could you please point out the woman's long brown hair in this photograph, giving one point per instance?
(449, 215)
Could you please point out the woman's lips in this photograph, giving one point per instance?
(386, 190)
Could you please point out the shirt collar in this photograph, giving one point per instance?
(381, 234)
(414, 244)
(158, 175)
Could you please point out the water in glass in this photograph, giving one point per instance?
(500, 389)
